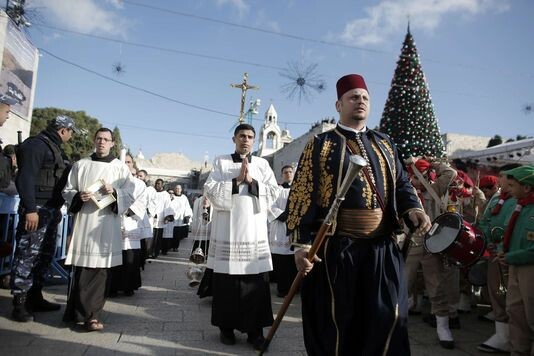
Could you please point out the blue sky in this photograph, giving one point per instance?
(477, 56)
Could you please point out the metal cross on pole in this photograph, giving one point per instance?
(244, 86)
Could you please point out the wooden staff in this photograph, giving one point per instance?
(356, 163)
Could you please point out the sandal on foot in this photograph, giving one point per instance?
(93, 325)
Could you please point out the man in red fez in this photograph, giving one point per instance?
(350, 314)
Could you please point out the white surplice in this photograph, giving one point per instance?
(172, 209)
(183, 209)
(96, 236)
(239, 243)
(279, 242)
(137, 226)
(151, 204)
(162, 208)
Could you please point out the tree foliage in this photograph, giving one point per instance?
(80, 145)
(409, 117)
(496, 140)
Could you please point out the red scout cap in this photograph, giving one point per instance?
(422, 165)
(488, 182)
(348, 82)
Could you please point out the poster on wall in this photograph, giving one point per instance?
(18, 63)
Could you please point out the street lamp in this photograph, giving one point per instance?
(252, 110)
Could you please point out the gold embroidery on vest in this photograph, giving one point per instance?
(325, 178)
(300, 198)
(383, 169)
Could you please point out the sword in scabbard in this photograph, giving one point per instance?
(356, 163)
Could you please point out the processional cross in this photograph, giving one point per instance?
(244, 86)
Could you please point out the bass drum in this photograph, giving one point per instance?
(455, 238)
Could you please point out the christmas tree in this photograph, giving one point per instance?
(408, 116)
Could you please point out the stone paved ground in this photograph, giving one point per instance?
(165, 317)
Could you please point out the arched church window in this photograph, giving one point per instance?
(270, 140)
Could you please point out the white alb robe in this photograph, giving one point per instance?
(96, 235)
(239, 243)
(279, 242)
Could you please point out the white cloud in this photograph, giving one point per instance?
(240, 5)
(89, 16)
(391, 16)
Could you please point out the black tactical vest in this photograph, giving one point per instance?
(50, 172)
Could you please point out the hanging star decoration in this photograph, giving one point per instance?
(528, 108)
(118, 68)
(304, 80)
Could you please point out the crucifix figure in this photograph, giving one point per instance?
(244, 86)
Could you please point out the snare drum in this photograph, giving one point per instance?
(455, 238)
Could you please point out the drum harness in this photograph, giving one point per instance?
(442, 205)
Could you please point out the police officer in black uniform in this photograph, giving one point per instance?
(43, 170)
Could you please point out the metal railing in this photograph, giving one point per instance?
(9, 219)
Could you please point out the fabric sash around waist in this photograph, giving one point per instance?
(362, 223)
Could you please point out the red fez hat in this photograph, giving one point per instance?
(488, 182)
(348, 82)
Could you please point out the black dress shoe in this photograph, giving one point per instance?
(430, 319)
(491, 350)
(454, 323)
(227, 336)
(449, 345)
(36, 303)
(256, 342)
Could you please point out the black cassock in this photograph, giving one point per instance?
(241, 302)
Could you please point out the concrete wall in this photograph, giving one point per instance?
(458, 143)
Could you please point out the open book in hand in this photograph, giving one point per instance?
(100, 199)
